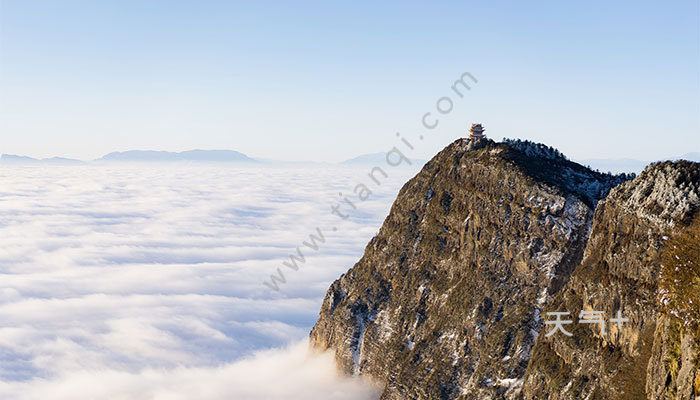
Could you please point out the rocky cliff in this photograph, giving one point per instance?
(643, 259)
(450, 299)
(447, 301)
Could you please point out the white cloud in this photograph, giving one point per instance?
(146, 282)
(292, 373)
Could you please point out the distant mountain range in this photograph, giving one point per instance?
(168, 156)
(377, 159)
(604, 165)
(190, 156)
(13, 159)
(138, 156)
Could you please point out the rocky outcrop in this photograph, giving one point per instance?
(642, 259)
(447, 300)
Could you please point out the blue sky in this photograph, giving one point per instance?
(328, 80)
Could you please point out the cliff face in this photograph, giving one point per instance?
(450, 298)
(447, 301)
(646, 229)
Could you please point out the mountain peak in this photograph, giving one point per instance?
(542, 163)
(481, 223)
(168, 156)
(448, 300)
(666, 191)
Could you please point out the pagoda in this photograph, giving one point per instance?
(476, 132)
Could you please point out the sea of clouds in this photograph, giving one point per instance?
(146, 281)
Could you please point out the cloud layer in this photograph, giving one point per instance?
(291, 373)
(121, 277)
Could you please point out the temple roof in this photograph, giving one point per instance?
(476, 128)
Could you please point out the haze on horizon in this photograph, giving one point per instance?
(327, 82)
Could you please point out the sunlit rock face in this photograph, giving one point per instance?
(642, 259)
(447, 301)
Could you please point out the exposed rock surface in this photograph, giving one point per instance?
(654, 355)
(447, 300)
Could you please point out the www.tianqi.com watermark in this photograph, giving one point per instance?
(585, 317)
(362, 191)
